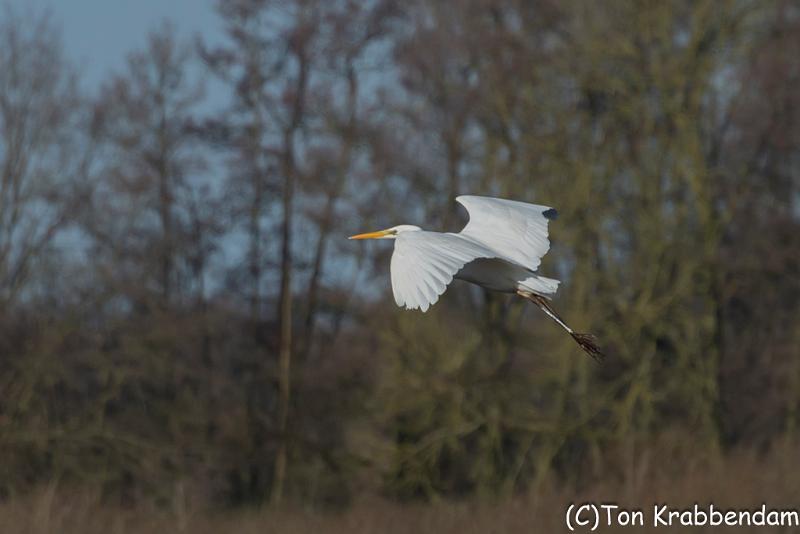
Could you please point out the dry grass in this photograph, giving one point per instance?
(742, 480)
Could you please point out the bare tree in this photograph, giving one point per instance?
(338, 136)
(43, 156)
(145, 205)
(269, 64)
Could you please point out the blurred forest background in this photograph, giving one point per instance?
(184, 327)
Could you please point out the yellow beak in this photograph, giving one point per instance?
(371, 235)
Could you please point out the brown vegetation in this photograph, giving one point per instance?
(743, 481)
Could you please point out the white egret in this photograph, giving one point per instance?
(499, 249)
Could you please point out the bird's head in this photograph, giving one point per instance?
(389, 233)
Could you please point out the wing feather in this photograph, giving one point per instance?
(424, 264)
(516, 231)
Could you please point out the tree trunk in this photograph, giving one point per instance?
(285, 304)
(254, 269)
(348, 138)
(285, 349)
(164, 206)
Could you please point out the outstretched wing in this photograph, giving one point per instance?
(516, 231)
(424, 264)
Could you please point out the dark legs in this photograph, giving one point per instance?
(586, 341)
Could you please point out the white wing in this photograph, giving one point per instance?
(424, 263)
(515, 231)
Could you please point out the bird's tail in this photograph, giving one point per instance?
(540, 285)
(587, 342)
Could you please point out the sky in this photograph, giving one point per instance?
(98, 34)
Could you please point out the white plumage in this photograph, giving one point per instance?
(500, 249)
(510, 236)
(515, 230)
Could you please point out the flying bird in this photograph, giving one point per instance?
(499, 249)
